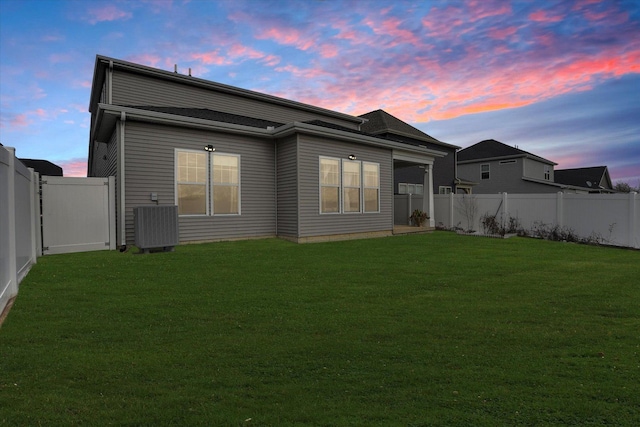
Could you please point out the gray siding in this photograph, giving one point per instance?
(287, 177)
(105, 157)
(149, 163)
(135, 89)
(535, 169)
(312, 223)
(503, 178)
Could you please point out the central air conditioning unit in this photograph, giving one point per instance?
(156, 227)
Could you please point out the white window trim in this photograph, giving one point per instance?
(341, 187)
(176, 182)
(443, 189)
(212, 186)
(320, 185)
(364, 187)
(488, 171)
(360, 187)
(209, 209)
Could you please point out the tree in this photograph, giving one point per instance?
(468, 207)
(624, 187)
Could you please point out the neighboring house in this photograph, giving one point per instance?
(237, 163)
(498, 168)
(595, 178)
(43, 167)
(409, 178)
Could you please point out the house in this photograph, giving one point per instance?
(240, 164)
(498, 168)
(43, 167)
(596, 179)
(408, 178)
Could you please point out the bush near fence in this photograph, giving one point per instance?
(609, 218)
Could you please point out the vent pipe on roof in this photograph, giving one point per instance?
(189, 71)
(175, 68)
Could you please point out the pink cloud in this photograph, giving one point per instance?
(76, 167)
(210, 58)
(391, 27)
(502, 33)
(286, 36)
(544, 16)
(15, 121)
(107, 13)
(481, 9)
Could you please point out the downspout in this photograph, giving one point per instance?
(121, 199)
(109, 83)
(275, 177)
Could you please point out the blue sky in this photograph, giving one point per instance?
(560, 79)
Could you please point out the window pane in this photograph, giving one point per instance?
(402, 188)
(225, 199)
(352, 199)
(371, 200)
(351, 174)
(329, 172)
(225, 169)
(191, 199)
(370, 175)
(419, 189)
(329, 199)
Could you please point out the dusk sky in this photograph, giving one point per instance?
(560, 79)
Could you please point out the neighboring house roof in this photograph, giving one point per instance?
(596, 177)
(43, 167)
(490, 149)
(379, 121)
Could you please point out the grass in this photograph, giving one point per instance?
(423, 330)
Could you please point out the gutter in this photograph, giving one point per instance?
(280, 132)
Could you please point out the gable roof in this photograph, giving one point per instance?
(595, 177)
(490, 149)
(379, 121)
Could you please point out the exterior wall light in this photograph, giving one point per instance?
(209, 148)
(352, 157)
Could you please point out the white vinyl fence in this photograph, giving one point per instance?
(615, 218)
(19, 223)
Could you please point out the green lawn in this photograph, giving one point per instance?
(419, 330)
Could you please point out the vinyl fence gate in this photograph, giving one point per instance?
(78, 214)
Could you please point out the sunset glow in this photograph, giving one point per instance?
(540, 75)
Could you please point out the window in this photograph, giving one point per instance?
(329, 185)
(371, 172)
(348, 186)
(547, 172)
(351, 186)
(191, 183)
(207, 183)
(484, 171)
(444, 189)
(404, 188)
(226, 184)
